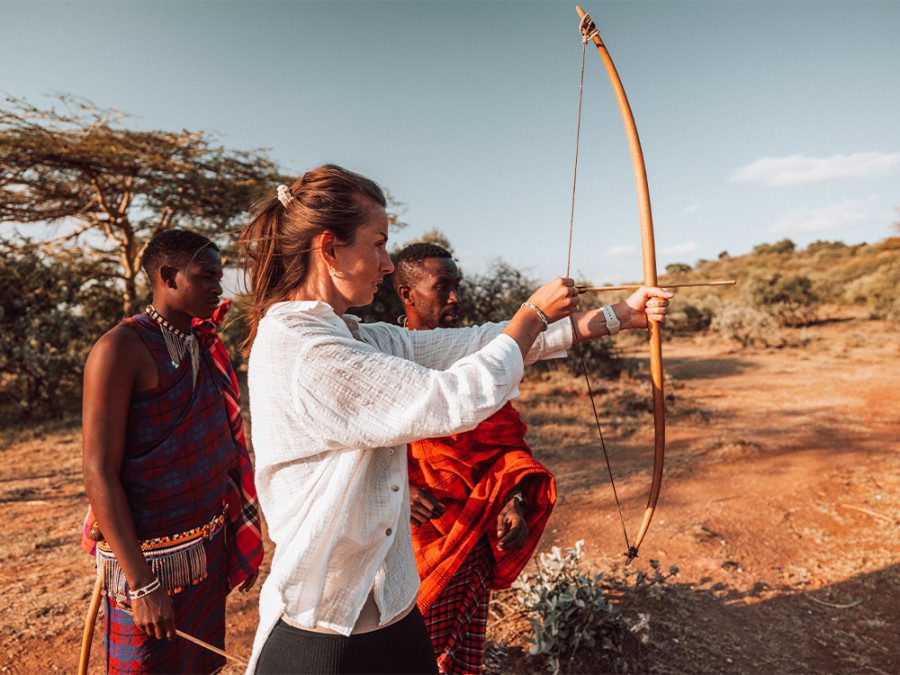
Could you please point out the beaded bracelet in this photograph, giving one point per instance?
(136, 593)
(541, 315)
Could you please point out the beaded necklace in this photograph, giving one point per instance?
(177, 343)
(174, 338)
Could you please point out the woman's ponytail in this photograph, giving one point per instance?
(279, 232)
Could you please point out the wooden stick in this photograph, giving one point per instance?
(89, 622)
(197, 641)
(205, 645)
(634, 287)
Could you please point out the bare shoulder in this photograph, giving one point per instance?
(122, 355)
(116, 343)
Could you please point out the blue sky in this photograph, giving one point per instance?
(758, 120)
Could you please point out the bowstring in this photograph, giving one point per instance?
(587, 35)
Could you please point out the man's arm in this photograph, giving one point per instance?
(118, 365)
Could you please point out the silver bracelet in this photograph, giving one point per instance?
(136, 593)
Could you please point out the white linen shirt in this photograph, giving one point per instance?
(333, 403)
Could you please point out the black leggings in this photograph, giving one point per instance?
(403, 647)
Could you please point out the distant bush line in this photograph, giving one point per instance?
(53, 309)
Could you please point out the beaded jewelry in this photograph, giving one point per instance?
(177, 342)
(541, 315)
(176, 560)
(174, 338)
(136, 593)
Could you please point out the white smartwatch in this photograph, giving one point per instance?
(612, 321)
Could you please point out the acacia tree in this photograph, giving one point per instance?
(111, 188)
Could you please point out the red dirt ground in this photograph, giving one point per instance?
(779, 505)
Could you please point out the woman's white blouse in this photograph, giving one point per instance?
(333, 403)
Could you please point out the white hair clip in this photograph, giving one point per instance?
(284, 195)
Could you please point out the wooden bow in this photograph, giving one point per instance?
(589, 31)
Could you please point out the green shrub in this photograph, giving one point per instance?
(746, 326)
(52, 311)
(783, 246)
(653, 584)
(601, 358)
(678, 268)
(494, 296)
(789, 299)
(689, 318)
(829, 249)
(569, 608)
(570, 611)
(878, 292)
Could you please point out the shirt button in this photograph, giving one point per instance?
(388, 532)
(395, 488)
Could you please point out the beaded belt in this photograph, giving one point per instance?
(177, 560)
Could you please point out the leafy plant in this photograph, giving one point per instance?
(52, 311)
(494, 296)
(790, 299)
(653, 583)
(601, 358)
(571, 610)
(783, 246)
(878, 292)
(747, 326)
(688, 318)
(570, 607)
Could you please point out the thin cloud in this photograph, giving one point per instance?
(798, 169)
(619, 252)
(680, 250)
(827, 219)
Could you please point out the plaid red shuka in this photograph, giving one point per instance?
(243, 523)
(244, 535)
(457, 619)
(471, 474)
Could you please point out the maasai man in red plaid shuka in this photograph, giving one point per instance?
(479, 500)
(166, 468)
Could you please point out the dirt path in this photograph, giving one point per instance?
(780, 506)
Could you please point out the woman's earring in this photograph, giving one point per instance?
(331, 270)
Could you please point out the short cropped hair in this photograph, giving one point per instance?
(172, 247)
(408, 262)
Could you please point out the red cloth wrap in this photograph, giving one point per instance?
(243, 527)
(471, 474)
